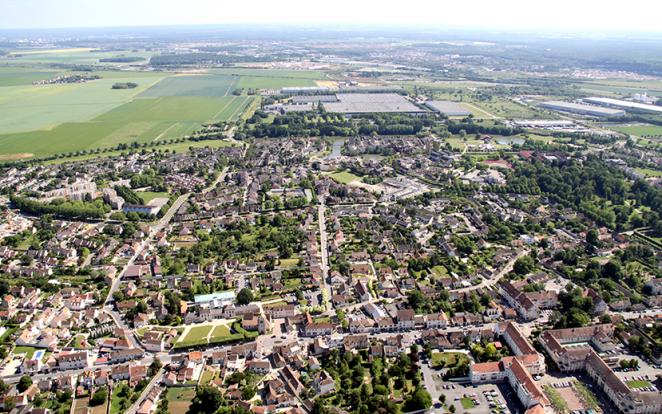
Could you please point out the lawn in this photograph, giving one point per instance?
(448, 359)
(197, 333)
(467, 403)
(639, 384)
(287, 263)
(147, 196)
(27, 350)
(344, 177)
(220, 331)
(179, 399)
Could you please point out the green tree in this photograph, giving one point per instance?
(24, 383)
(245, 296)
(99, 397)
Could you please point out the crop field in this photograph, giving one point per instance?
(76, 56)
(193, 85)
(37, 107)
(141, 120)
(44, 120)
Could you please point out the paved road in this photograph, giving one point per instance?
(156, 379)
(326, 291)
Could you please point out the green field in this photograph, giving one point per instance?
(141, 120)
(639, 130)
(449, 359)
(197, 333)
(147, 196)
(193, 85)
(39, 107)
(344, 177)
(44, 120)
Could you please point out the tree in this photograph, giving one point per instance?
(155, 366)
(206, 401)
(24, 383)
(592, 237)
(523, 265)
(419, 400)
(99, 397)
(245, 296)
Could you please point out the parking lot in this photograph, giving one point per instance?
(481, 399)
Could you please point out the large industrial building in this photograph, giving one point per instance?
(448, 108)
(627, 105)
(364, 103)
(581, 109)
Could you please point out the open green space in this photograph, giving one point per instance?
(197, 333)
(449, 359)
(220, 331)
(344, 177)
(147, 196)
(640, 130)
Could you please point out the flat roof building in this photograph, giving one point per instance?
(617, 103)
(581, 109)
(448, 108)
(365, 103)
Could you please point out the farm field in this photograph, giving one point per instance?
(44, 120)
(40, 107)
(141, 120)
(193, 85)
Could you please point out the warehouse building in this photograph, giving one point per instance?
(448, 108)
(365, 103)
(627, 105)
(581, 109)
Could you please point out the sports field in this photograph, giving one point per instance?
(43, 120)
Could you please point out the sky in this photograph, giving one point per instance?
(550, 15)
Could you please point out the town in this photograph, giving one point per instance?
(353, 237)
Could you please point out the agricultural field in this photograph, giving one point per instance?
(44, 120)
(76, 56)
(141, 120)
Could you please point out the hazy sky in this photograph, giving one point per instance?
(576, 15)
